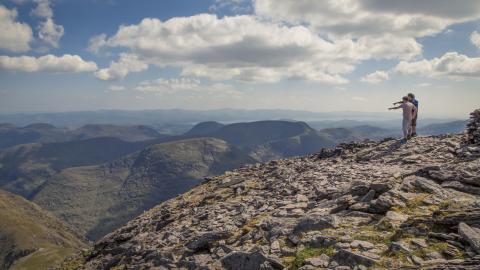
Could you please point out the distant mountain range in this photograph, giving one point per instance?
(11, 135)
(159, 118)
(32, 238)
(454, 127)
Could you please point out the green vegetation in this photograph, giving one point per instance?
(31, 231)
(44, 258)
(101, 198)
(306, 253)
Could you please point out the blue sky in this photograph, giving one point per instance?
(70, 55)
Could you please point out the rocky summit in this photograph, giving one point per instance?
(366, 205)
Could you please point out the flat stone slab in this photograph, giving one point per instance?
(470, 235)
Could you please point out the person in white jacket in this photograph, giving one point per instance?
(409, 113)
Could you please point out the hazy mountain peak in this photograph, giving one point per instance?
(204, 128)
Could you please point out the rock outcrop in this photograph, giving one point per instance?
(385, 205)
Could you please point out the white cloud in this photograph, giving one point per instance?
(50, 32)
(43, 9)
(353, 18)
(96, 43)
(118, 70)
(451, 64)
(320, 41)
(475, 39)
(376, 77)
(245, 48)
(15, 36)
(47, 63)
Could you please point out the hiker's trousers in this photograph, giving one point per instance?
(407, 128)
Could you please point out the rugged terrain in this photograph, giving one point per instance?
(32, 238)
(361, 205)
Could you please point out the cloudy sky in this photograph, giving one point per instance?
(330, 55)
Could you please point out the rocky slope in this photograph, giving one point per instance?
(30, 237)
(362, 205)
(98, 199)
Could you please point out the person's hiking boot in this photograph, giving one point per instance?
(414, 135)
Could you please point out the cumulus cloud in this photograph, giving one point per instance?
(246, 48)
(96, 43)
(15, 36)
(353, 18)
(376, 77)
(451, 64)
(48, 31)
(43, 9)
(47, 63)
(475, 39)
(118, 70)
(320, 41)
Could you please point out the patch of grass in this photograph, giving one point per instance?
(393, 260)
(372, 234)
(252, 224)
(44, 258)
(252, 184)
(449, 205)
(306, 253)
(225, 192)
(415, 206)
(439, 246)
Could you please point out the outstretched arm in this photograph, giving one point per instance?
(398, 102)
(394, 108)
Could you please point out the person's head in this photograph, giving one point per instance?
(411, 96)
(405, 99)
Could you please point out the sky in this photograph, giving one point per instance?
(331, 55)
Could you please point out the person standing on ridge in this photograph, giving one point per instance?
(409, 113)
(412, 99)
